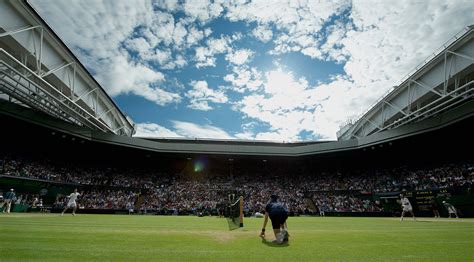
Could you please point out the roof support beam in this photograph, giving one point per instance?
(461, 55)
(64, 65)
(85, 94)
(38, 55)
(120, 128)
(394, 107)
(372, 123)
(426, 87)
(105, 113)
(23, 29)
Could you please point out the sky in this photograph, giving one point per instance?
(273, 70)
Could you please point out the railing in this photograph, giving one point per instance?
(437, 105)
(50, 94)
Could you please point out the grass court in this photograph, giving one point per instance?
(50, 237)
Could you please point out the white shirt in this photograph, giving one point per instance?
(73, 196)
(406, 202)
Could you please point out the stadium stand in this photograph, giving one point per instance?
(338, 191)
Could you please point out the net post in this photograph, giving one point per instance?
(241, 211)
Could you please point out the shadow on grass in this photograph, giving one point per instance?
(274, 244)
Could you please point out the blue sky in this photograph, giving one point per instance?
(259, 70)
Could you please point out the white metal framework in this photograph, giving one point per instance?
(37, 70)
(443, 81)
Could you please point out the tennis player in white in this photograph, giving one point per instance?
(406, 207)
(72, 202)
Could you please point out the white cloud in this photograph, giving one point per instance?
(170, 5)
(177, 62)
(160, 56)
(205, 56)
(201, 95)
(219, 45)
(291, 106)
(298, 22)
(262, 33)
(382, 47)
(147, 53)
(244, 79)
(80, 29)
(277, 136)
(335, 103)
(100, 47)
(333, 44)
(191, 130)
(180, 61)
(207, 32)
(246, 135)
(181, 129)
(139, 45)
(154, 130)
(386, 43)
(203, 10)
(312, 52)
(179, 33)
(125, 77)
(194, 36)
(284, 84)
(160, 29)
(248, 131)
(173, 34)
(205, 61)
(239, 57)
(281, 106)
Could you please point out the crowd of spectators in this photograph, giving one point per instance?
(155, 192)
(112, 177)
(193, 196)
(328, 202)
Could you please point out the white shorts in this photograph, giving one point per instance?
(71, 204)
(407, 208)
(451, 210)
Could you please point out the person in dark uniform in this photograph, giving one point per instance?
(278, 215)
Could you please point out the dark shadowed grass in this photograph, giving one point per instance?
(169, 238)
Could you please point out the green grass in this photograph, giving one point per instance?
(165, 238)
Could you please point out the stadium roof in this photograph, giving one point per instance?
(56, 81)
(244, 148)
